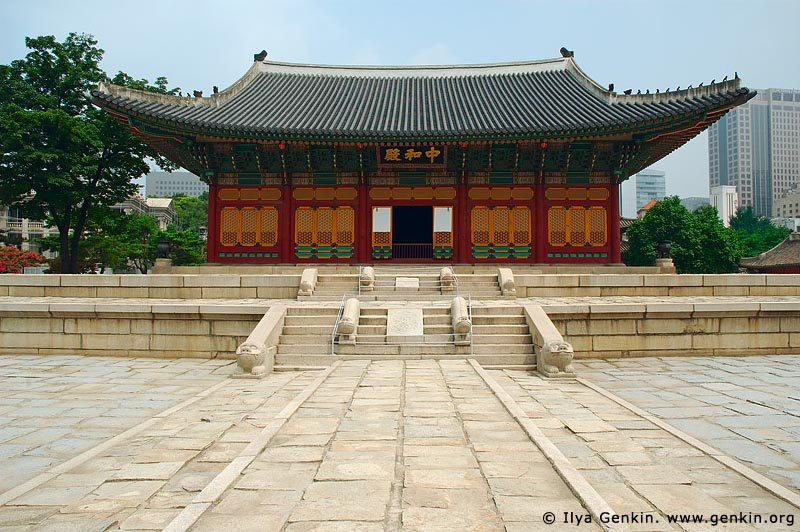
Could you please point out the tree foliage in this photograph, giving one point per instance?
(191, 212)
(62, 159)
(13, 260)
(700, 243)
(756, 234)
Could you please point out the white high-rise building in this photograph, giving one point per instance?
(168, 184)
(650, 185)
(756, 148)
(725, 199)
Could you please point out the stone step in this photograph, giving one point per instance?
(368, 311)
(293, 330)
(497, 319)
(298, 321)
(502, 339)
(438, 329)
(500, 329)
(310, 349)
(371, 329)
(304, 339)
(436, 319)
(400, 349)
(503, 349)
(312, 311)
(503, 311)
(372, 320)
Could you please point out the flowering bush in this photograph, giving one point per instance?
(12, 260)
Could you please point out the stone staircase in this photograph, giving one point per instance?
(331, 287)
(500, 337)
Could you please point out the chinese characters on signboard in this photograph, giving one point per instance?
(416, 156)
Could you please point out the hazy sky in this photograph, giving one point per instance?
(637, 44)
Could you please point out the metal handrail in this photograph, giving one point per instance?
(469, 313)
(335, 330)
(359, 278)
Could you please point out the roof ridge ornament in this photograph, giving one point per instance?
(567, 53)
(260, 56)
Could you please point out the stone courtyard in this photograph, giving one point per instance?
(94, 444)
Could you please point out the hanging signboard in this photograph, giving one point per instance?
(414, 156)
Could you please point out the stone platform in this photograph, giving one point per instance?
(94, 444)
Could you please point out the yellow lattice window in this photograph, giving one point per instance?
(557, 226)
(249, 226)
(522, 225)
(501, 225)
(577, 226)
(269, 226)
(304, 226)
(597, 226)
(345, 226)
(229, 223)
(382, 238)
(324, 226)
(480, 226)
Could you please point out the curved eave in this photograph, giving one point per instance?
(653, 125)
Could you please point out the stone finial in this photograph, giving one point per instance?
(348, 324)
(555, 359)
(251, 360)
(367, 279)
(462, 325)
(505, 277)
(447, 279)
(308, 282)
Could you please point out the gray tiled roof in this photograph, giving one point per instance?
(785, 254)
(510, 100)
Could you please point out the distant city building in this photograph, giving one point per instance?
(786, 210)
(14, 228)
(756, 148)
(650, 185)
(159, 208)
(726, 201)
(167, 184)
(692, 203)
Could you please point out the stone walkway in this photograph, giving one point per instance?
(379, 446)
(747, 407)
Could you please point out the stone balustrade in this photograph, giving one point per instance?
(447, 279)
(348, 323)
(308, 282)
(255, 357)
(462, 325)
(367, 279)
(505, 278)
(553, 354)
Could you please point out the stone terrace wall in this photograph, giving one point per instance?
(126, 329)
(656, 285)
(214, 286)
(285, 285)
(667, 329)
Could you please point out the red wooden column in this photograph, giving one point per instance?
(615, 256)
(286, 215)
(461, 236)
(539, 224)
(212, 233)
(363, 217)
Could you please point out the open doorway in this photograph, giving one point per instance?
(412, 232)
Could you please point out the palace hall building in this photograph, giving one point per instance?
(512, 162)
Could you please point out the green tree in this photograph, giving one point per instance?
(700, 243)
(186, 248)
(60, 157)
(755, 233)
(191, 212)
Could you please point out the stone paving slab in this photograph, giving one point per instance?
(748, 407)
(417, 445)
